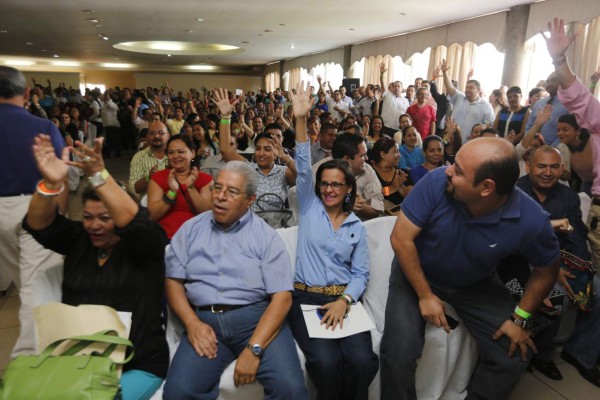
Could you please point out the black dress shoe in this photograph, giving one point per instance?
(547, 368)
(591, 375)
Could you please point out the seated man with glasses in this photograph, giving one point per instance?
(229, 280)
(151, 159)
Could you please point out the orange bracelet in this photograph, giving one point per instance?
(45, 192)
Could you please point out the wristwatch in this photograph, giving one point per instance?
(99, 178)
(521, 323)
(256, 349)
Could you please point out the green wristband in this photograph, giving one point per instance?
(522, 313)
(171, 194)
(225, 121)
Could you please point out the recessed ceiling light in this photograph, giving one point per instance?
(116, 65)
(200, 19)
(281, 24)
(19, 63)
(96, 20)
(201, 67)
(268, 30)
(245, 42)
(189, 31)
(29, 43)
(402, 13)
(178, 48)
(89, 11)
(3, 31)
(292, 46)
(56, 56)
(66, 63)
(168, 55)
(350, 29)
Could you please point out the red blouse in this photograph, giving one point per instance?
(180, 211)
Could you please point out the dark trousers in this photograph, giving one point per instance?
(483, 308)
(341, 369)
(112, 141)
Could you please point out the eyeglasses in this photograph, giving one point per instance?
(161, 133)
(230, 193)
(323, 185)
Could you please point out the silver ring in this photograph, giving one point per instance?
(86, 159)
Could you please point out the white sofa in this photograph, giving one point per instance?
(443, 371)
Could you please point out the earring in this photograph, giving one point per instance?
(347, 199)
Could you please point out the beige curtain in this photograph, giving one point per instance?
(584, 55)
(294, 77)
(372, 70)
(460, 59)
(272, 81)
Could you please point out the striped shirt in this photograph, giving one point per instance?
(274, 182)
(236, 266)
(141, 164)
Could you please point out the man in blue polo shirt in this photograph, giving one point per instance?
(20, 255)
(454, 228)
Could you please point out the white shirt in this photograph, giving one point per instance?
(392, 108)
(341, 105)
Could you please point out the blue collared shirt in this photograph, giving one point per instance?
(457, 250)
(239, 265)
(467, 113)
(550, 128)
(410, 158)
(326, 257)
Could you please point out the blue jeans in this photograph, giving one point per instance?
(584, 343)
(482, 307)
(193, 377)
(341, 369)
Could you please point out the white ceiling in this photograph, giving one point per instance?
(61, 27)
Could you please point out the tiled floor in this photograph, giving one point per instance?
(532, 386)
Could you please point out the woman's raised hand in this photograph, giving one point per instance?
(87, 159)
(221, 100)
(52, 168)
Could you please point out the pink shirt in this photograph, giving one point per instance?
(580, 101)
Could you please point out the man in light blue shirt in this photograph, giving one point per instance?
(468, 109)
(549, 129)
(229, 280)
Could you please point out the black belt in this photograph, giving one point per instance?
(219, 308)
(15, 194)
(596, 200)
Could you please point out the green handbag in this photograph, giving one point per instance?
(66, 376)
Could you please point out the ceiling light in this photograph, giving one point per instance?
(3, 31)
(350, 29)
(402, 13)
(201, 67)
(168, 55)
(95, 20)
(178, 48)
(19, 63)
(245, 42)
(268, 30)
(56, 56)
(104, 37)
(89, 11)
(44, 50)
(189, 31)
(292, 46)
(116, 65)
(66, 63)
(29, 43)
(281, 24)
(200, 19)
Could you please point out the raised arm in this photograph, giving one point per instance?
(450, 89)
(558, 43)
(542, 117)
(302, 103)
(382, 70)
(225, 108)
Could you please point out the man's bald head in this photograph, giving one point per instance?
(496, 160)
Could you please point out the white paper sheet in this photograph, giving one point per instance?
(358, 321)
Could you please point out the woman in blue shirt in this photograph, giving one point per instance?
(332, 270)
(433, 148)
(411, 154)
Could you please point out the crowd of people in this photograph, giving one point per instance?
(209, 164)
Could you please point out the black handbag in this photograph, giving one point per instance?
(276, 218)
